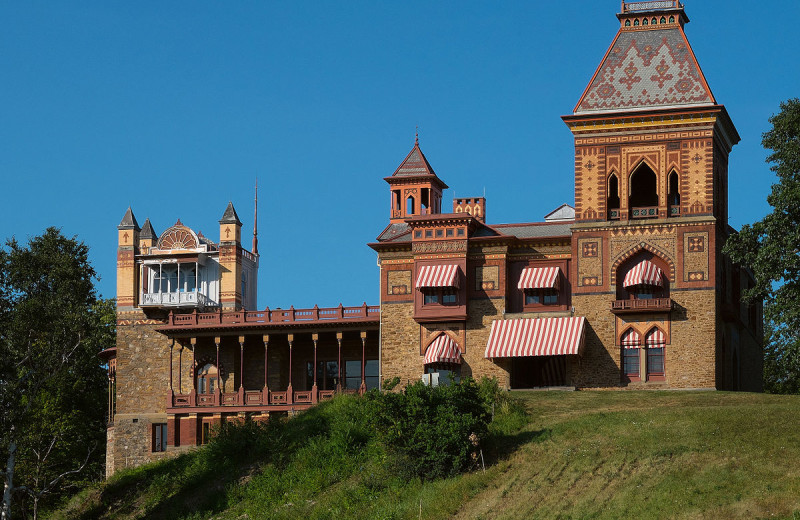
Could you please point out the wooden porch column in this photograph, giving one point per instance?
(339, 365)
(241, 370)
(193, 392)
(289, 393)
(363, 361)
(171, 393)
(265, 391)
(314, 338)
(218, 391)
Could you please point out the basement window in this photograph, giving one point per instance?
(159, 440)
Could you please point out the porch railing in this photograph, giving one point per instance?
(255, 398)
(278, 316)
(654, 304)
(633, 7)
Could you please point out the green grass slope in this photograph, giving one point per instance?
(579, 455)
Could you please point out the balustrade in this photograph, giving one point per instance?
(255, 398)
(279, 316)
(654, 304)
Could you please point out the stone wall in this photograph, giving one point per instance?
(132, 441)
(400, 347)
(600, 364)
(482, 312)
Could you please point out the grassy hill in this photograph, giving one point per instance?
(578, 455)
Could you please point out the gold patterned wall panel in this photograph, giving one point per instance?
(590, 262)
(625, 245)
(398, 282)
(590, 182)
(487, 278)
(695, 257)
(697, 185)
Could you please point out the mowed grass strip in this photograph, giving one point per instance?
(653, 455)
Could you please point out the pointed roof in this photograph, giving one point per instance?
(129, 221)
(415, 165)
(648, 65)
(230, 216)
(563, 212)
(148, 231)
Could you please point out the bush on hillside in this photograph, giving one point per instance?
(432, 432)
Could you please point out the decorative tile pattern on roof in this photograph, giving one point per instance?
(654, 68)
(535, 230)
(414, 164)
(396, 231)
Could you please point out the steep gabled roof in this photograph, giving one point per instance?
(230, 216)
(147, 231)
(128, 221)
(650, 66)
(416, 165)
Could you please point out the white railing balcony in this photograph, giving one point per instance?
(176, 299)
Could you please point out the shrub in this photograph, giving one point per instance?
(433, 432)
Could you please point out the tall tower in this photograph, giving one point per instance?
(127, 248)
(651, 168)
(230, 259)
(415, 188)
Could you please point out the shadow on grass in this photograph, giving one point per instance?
(502, 446)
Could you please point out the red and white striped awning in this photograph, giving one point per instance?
(655, 338)
(539, 278)
(631, 339)
(444, 275)
(643, 273)
(536, 337)
(443, 350)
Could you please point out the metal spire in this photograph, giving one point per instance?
(255, 223)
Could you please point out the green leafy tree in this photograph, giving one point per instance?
(771, 248)
(52, 387)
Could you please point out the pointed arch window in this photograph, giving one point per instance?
(627, 23)
(655, 341)
(207, 379)
(643, 199)
(613, 197)
(631, 344)
(636, 23)
(674, 194)
(410, 206)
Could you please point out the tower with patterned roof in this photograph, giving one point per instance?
(416, 190)
(651, 175)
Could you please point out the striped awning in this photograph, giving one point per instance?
(655, 338)
(539, 278)
(443, 350)
(643, 273)
(444, 275)
(536, 337)
(631, 339)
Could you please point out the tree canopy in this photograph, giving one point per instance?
(52, 385)
(771, 249)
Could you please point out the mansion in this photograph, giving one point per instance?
(628, 289)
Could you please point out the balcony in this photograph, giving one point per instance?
(176, 299)
(280, 317)
(652, 305)
(252, 400)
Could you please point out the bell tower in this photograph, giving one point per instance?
(651, 183)
(415, 188)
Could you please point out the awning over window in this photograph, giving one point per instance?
(539, 278)
(643, 273)
(443, 350)
(656, 338)
(536, 337)
(631, 339)
(445, 275)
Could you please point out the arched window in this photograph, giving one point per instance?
(671, 19)
(207, 379)
(654, 21)
(627, 23)
(663, 20)
(643, 201)
(655, 341)
(396, 200)
(631, 346)
(613, 197)
(410, 206)
(636, 23)
(674, 195)
(644, 276)
(644, 21)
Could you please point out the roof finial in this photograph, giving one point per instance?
(255, 223)
(416, 137)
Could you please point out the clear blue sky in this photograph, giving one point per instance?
(175, 107)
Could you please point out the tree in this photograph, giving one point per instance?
(52, 387)
(771, 248)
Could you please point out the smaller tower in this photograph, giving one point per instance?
(147, 237)
(230, 259)
(475, 206)
(415, 188)
(127, 247)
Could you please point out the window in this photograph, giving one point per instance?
(644, 190)
(674, 192)
(206, 434)
(644, 292)
(327, 374)
(655, 361)
(410, 206)
(613, 196)
(352, 370)
(439, 295)
(159, 437)
(442, 373)
(207, 379)
(541, 297)
(630, 361)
